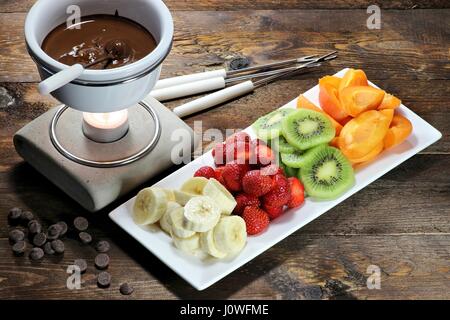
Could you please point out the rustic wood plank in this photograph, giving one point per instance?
(300, 267)
(176, 5)
(415, 49)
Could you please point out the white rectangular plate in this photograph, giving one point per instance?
(202, 274)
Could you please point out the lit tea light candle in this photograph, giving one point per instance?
(105, 127)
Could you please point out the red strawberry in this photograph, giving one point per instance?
(241, 152)
(239, 136)
(206, 172)
(218, 174)
(297, 193)
(256, 184)
(271, 170)
(273, 212)
(280, 193)
(261, 154)
(232, 175)
(256, 220)
(243, 200)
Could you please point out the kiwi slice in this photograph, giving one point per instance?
(269, 126)
(326, 173)
(288, 171)
(305, 129)
(293, 160)
(281, 144)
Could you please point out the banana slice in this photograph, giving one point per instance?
(169, 194)
(176, 221)
(190, 245)
(149, 206)
(209, 246)
(220, 195)
(201, 214)
(182, 197)
(194, 185)
(164, 222)
(230, 235)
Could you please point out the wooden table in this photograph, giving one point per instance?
(400, 223)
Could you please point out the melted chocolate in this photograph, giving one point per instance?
(87, 44)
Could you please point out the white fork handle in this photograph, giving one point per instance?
(169, 82)
(214, 99)
(60, 79)
(188, 89)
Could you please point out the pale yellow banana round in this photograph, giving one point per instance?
(220, 195)
(230, 234)
(201, 214)
(189, 245)
(182, 197)
(194, 185)
(208, 244)
(176, 221)
(149, 206)
(165, 222)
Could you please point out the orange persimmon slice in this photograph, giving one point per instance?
(389, 102)
(370, 156)
(362, 134)
(357, 99)
(303, 103)
(353, 78)
(329, 101)
(399, 130)
(332, 80)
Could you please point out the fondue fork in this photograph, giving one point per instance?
(169, 82)
(242, 88)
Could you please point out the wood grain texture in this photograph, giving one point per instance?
(400, 223)
(415, 49)
(220, 5)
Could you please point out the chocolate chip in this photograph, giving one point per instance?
(80, 223)
(14, 215)
(58, 246)
(126, 289)
(103, 279)
(102, 261)
(39, 239)
(36, 254)
(64, 228)
(82, 264)
(239, 63)
(102, 246)
(16, 235)
(26, 217)
(53, 231)
(48, 248)
(34, 227)
(19, 248)
(85, 237)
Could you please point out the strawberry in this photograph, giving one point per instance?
(218, 174)
(273, 212)
(243, 200)
(241, 152)
(256, 184)
(280, 193)
(232, 175)
(256, 220)
(206, 172)
(297, 193)
(271, 170)
(261, 154)
(239, 136)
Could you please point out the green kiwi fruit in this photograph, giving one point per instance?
(305, 129)
(293, 160)
(326, 173)
(291, 172)
(269, 126)
(281, 145)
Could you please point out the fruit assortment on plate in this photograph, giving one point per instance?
(304, 151)
(197, 217)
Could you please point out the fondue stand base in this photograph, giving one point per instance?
(94, 187)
